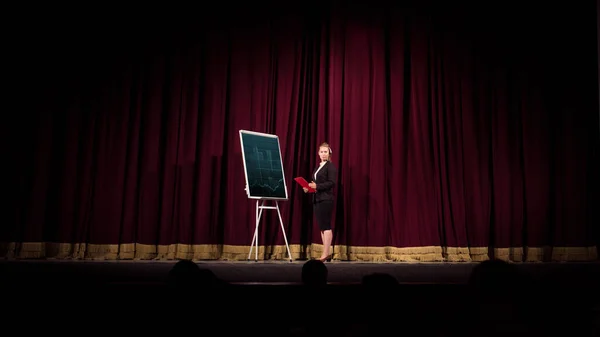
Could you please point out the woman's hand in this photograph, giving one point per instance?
(312, 185)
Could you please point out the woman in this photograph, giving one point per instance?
(325, 178)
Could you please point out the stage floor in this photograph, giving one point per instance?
(277, 272)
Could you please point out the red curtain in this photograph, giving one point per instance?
(459, 134)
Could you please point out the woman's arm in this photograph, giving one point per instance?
(331, 178)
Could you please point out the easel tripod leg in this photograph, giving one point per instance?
(255, 237)
(259, 209)
(284, 235)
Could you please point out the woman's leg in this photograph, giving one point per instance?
(324, 213)
(327, 236)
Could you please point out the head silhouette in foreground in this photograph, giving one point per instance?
(314, 273)
(187, 275)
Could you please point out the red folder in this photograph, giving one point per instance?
(304, 184)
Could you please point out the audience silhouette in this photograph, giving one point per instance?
(497, 288)
(314, 273)
(188, 276)
(500, 302)
(378, 280)
(380, 292)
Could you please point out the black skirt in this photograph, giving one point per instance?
(323, 213)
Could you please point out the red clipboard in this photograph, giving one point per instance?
(304, 184)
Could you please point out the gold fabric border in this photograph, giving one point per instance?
(136, 251)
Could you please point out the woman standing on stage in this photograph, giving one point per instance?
(325, 179)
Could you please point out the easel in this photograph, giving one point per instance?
(259, 209)
(265, 152)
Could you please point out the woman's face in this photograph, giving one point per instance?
(324, 152)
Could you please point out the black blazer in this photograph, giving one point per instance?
(326, 181)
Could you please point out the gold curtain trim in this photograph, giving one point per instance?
(137, 251)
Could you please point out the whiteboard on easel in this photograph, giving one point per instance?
(263, 166)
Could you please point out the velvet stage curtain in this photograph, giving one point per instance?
(459, 134)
